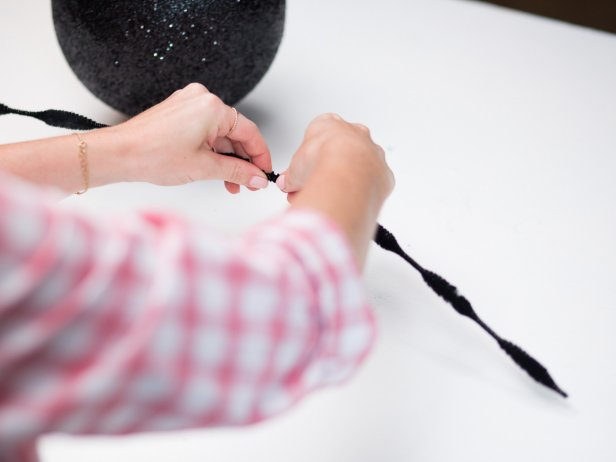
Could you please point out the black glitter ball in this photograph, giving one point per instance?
(132, 54)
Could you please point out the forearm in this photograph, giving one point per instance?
(56, 161)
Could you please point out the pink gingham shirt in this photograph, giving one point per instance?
(150, 323)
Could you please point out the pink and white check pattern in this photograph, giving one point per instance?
(149, 323)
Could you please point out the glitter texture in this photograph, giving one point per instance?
(132, 54)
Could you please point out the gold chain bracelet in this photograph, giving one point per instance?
(83, 162)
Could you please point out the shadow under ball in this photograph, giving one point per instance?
(133, 54)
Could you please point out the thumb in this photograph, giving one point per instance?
(291, 180)
(287, 183)
(239, 172)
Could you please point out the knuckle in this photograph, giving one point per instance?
(248, 126)
(209, 101)
(324, 123)
(251, 125)
(363, 128)
(234, 174)
(329, 116)
(196, 88)
(392, 178)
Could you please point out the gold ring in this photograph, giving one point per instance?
(234, 122)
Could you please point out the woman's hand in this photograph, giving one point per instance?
(171, 143)
(344, 146)
(176, 141)
(341, 173)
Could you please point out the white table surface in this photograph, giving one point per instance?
(501, 130)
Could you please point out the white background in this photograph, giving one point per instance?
(501, 130)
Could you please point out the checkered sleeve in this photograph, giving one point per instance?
(149, 323)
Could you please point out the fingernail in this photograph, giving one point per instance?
(258, 182)
(280, 183)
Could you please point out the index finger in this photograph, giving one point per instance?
(246, 132)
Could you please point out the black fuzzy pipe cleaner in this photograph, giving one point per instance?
(450, 294)
(383, 238)
(55, 118)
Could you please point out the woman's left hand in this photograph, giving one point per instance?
(177, 141)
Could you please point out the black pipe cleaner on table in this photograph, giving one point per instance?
(450, 294)
(55, 118)
(384, 238)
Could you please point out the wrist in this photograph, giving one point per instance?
(344, 192)
(109, 156)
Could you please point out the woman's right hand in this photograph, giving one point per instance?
(332, 141)
(341, 173)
